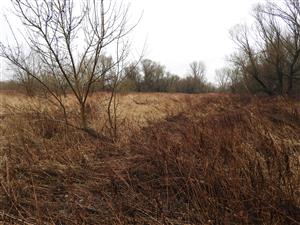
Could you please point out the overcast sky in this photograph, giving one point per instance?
(178, 32)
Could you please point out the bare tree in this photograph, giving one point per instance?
(272, 49)
(132, 78)
(248, 60)
(198, 70)
(70, 41)
(288, 13)
(222, 77)
(24, 79)
(270, 53)
(196, 77)
(153, 73)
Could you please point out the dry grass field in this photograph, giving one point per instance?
(179, 159)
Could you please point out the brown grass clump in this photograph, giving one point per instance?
(205, 159)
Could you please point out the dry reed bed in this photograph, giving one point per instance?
(235, 167)
(211, 160)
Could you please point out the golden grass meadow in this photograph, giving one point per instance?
(179, 159)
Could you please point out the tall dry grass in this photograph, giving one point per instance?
(239, 164)
(194, 159)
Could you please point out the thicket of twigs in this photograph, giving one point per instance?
(222, 160)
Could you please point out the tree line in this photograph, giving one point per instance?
(144, 76)
(267, 59)
(150, 76)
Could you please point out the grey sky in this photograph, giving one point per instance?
(178, 32)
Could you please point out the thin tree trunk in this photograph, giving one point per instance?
(83, 116)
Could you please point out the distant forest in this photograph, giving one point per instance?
(145, 76)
